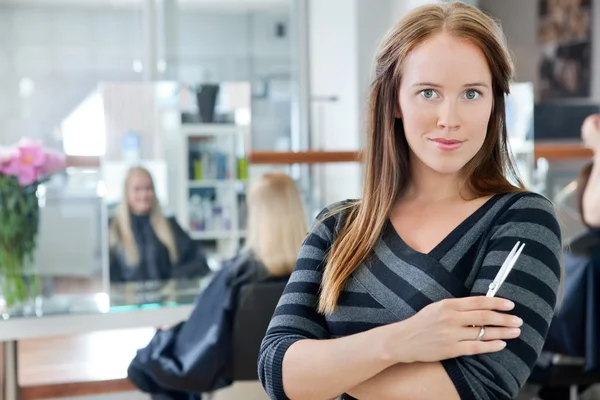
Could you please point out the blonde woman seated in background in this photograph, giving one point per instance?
(276, 226)
(146, 245)
(196, 356)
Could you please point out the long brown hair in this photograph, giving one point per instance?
(276, 222)
(387, 169)
(120, 229)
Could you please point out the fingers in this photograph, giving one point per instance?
(480, 303)
(490, 334)
(489, 318)
(472, 347)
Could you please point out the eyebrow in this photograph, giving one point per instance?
(435, 85)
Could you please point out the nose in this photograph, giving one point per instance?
(449, 118)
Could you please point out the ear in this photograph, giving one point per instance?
(398, 113)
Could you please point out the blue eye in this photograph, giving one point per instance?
(472, 94)
(429, 93)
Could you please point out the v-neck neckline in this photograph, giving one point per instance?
(398, 245)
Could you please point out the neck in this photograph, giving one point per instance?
(428, 185)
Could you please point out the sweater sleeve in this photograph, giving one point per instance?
(532, 285)
(296, 317)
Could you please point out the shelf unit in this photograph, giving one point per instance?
(213, 171)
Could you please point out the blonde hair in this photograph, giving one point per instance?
(276, 223)
(387, 172)
(120, 228)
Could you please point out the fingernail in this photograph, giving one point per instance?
(517, 321)
(509, 304)
(515, 331)
(503, 344)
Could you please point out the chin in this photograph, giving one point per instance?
(142, 211)
(446, 168)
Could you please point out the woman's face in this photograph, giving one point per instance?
(445, 102)
(140, 194)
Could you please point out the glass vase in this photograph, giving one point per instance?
(19, 280)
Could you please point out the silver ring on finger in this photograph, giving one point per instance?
(481, 333)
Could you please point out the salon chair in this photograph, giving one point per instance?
(256, 304)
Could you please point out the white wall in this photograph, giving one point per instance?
(64, 52)
(371, 31)
(333, 35)
(230, 46)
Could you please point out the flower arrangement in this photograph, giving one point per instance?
(23, 167)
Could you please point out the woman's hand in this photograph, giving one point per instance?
(590, 132)
(450, 328)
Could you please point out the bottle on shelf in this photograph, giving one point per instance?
(208, 162)
(242, 166)
(208, 214)
(196, 213)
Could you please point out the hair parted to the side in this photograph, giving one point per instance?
(120, 228)
(386, 157)
(276, 222)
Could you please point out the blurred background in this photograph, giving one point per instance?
(208, 95)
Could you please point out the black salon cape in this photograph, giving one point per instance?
(195, 356)
(155, 263)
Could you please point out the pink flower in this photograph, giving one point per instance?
(7, 154)
(26, 164)
(53, 162)
(29, 161)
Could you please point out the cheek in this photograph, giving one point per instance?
(139, 196)
(417, 119)
(478, 123)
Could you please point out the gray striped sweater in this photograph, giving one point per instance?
(397, 281)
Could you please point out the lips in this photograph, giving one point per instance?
(447, 144)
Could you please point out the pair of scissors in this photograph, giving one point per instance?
(505, 269)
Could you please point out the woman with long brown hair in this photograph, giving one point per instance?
(387, 300)
(144, 244)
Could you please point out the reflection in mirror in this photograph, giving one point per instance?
(169, 128)
(73, 207)
(174, 185)
(69, 253)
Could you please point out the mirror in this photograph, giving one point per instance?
(192, 142)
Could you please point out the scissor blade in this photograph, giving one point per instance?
(506, 263)
(512, 264)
